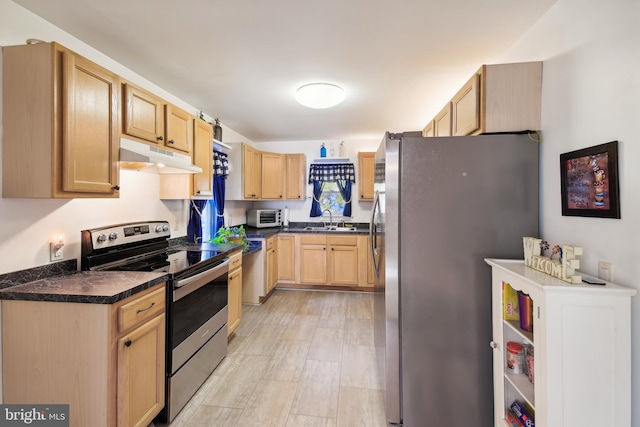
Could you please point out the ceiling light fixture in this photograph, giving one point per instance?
(320, 95)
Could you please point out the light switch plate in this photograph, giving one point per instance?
(605, 271)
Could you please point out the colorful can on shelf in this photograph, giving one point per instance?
(513, 357)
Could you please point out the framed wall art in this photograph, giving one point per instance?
(589, 179)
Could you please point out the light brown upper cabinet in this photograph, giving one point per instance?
(203, 158)
(178, 128)
(442, 122)
(466, 107)
(272, 176)
(498, 98)
(197, 185)
(153, 120)
(60, 119)
(428, 130)
(251, 172)
(143, 114)
(365, 175)
(258, 175)
(295, 183)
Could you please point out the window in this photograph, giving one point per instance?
(332, 199)
(331, 188)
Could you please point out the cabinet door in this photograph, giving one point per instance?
(179, 129)
(286, 259)
(203, 158)
(428, 130)
(251, 171)
(295, 184)
(143, 115)
(313, 264)
(272, 176)
(371, 274)
(235, 300)
(442, 122)
(343, 265)
(90, 127)
(272, 268)
(366, 174)
(140, 379)
(466, 108)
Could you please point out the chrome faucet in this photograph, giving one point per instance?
(330, 217)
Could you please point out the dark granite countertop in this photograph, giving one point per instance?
(218, 247)
(93, 287)
(261, 233)
(298, 227)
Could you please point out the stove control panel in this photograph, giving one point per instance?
(121, 234)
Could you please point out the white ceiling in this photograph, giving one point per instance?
(242, 60)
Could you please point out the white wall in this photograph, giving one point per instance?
(591, 95)
(299, 210)
(27, 225)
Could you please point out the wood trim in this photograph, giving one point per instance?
(323, 287)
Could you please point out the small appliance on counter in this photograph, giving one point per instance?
(262, 218)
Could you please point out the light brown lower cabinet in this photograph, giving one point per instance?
(286, 258)
(313, 259)
(235, 292)
(107, 361)
(329, 260)
(272, 263)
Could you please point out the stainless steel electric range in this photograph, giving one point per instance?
(197, 295)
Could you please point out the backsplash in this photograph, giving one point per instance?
(37, 273)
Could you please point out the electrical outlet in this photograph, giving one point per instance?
(605, 271)
(55, 251)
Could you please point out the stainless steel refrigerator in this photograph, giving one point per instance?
(442, 205)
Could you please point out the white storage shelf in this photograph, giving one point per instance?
(582, 346)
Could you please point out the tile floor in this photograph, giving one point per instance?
(301, 359)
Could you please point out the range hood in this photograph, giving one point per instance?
(145, 158)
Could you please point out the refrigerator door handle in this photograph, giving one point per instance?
(373, 235)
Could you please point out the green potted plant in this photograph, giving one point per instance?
(235, 235)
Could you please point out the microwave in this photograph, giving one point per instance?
(264, 218)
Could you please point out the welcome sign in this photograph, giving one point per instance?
(563, 269)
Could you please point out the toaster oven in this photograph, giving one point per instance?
(264, 218)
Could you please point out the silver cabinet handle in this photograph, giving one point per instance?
(494, 345)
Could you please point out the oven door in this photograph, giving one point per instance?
(198, 311)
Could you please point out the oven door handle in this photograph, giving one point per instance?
(186, 286)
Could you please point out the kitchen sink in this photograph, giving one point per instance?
(330, 228)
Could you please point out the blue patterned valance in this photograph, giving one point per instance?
(332, 172)
(220, 164)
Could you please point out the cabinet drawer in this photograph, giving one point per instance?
(343, 240)
(235, 261)
(313, 239)
(141, 309)
(269, 243)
